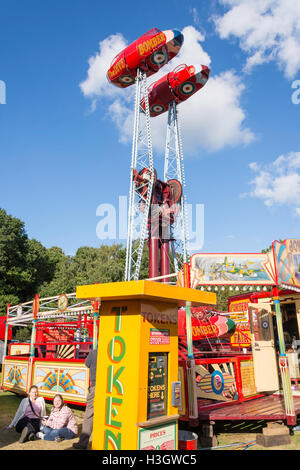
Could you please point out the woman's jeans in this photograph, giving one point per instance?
(51, 434)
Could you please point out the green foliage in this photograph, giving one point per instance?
(104, 264)
(22, 334)
(62, 278)
(13, 242)
(7, 299)
(89, 265)
(24, 263)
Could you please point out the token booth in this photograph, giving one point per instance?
(138, 393)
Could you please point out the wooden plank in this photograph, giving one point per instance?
(270, 407)
(214, 415)
(264, 402)
(264, 408)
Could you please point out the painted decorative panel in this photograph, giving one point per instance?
(15, 375)
(216, 381)
(70, 380)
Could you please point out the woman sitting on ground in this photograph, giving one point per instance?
(27, 419)
(61, 423)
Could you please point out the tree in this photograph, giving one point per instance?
(40, 267)
(104, 264)
(13, 245)
(62, 279)
(87, 266)
(24, 263)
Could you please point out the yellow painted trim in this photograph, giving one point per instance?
(145, 290)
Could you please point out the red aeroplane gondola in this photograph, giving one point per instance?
(177, 86)
(148, 53)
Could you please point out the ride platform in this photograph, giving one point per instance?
(269, 408)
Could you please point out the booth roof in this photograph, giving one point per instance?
(145, 290)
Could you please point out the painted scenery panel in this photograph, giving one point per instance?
(229, 269)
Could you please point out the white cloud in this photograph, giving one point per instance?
(195, 16)
(212, 119)
(278, 184)
(96, 83)
(268, 30)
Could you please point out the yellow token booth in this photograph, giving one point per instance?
(137, 389)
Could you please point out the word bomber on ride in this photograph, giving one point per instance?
(150, 44)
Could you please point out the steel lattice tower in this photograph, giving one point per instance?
(140, 192)
(174, 169)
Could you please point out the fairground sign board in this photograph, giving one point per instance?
(279, 267)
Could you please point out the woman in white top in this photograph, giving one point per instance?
(28, 416)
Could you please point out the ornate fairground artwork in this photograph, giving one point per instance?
(222, 269)
(287, 260)
(239, 314)
(15, 375)
(62, 303)
(19, 349)
(216, 381)
(61, 379)
(206, 324)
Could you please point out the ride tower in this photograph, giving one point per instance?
(174, 169)
(141, 182)
(134, 64)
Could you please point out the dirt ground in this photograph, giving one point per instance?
(9, 441)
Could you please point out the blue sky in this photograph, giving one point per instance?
(64, 149)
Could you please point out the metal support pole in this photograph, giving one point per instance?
(165, 259)
(153, 257)
(283, 364)
(35, 309)
(95, 329)
(6, 332)
(189, 335)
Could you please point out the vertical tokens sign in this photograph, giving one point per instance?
(115, 390)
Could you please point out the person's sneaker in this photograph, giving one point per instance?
(59, 439)
(23, 436)
(31, 436)
(40, 435)
(78, 446)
